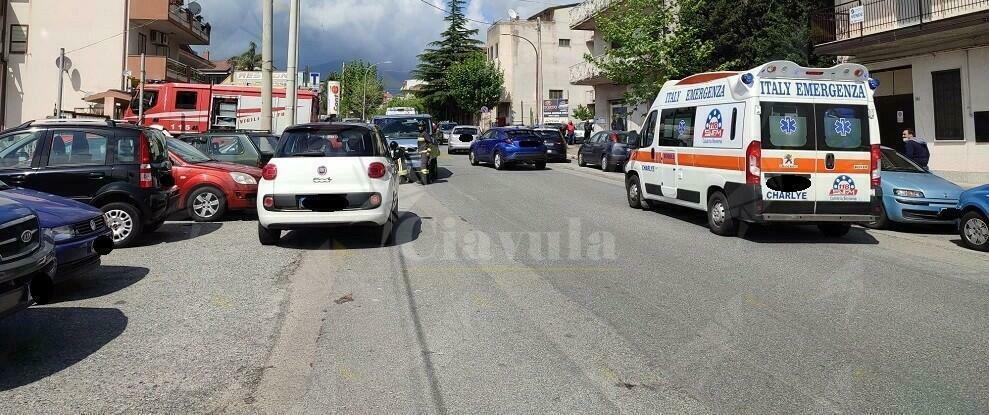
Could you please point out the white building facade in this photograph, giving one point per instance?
(932, 60)
(561, 47)
(610, 108)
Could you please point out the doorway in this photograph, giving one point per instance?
(894, 105)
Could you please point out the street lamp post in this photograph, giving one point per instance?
(364, 89)
(536, 50)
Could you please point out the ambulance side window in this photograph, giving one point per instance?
(678, 127)
(649, 129)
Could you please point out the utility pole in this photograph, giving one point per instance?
(267, 10)
(61, 69)
(140, 93)
(292, 71)
(340, 109)
(539, 71)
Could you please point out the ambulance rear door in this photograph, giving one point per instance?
(844, 165)
(789, 158)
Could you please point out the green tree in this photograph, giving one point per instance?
(652, 42)
(362, 89)
(250, 60)
(583, 113)
(405, 101)
(474, 83)
(456, 44)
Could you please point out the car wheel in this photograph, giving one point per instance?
(634, 191)
(580, 160)
(386, 232)
(604, 164)
(268, 236)
(834, 230)
(42, 289)
(499, 164)
(719, 217)
(472, 156)
(206, 204)
(540, 165)
(124, 221)
(882, 221)
(974, 229)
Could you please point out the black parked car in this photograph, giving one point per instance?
(26, 253)
(251, 148)
(607, 149)
(120, 168)
(556, 145)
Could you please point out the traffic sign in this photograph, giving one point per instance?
(314, 77)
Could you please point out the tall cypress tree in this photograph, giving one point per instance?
(457, 43)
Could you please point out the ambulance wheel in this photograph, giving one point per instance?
(634, 192)
(719, 217)
(835, 230)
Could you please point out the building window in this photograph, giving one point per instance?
(981, 126)
(142, 43)
(161, 50)
(564, 43)
(18, 38)
(556, 94)
(948, 105)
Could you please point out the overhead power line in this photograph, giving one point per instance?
(448, 13)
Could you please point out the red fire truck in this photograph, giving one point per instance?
(185, 108)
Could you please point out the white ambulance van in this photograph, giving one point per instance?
(778, 143)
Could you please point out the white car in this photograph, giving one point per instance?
(461, 137)
(328, 174)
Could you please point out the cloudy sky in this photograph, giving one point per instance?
(340, 30)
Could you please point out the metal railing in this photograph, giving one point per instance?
(194, 23)
(859, 18)
(587, 10)
(583, 71)
(182, 72)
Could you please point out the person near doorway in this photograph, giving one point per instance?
(588, 129)
(570, 131)
(916, 149)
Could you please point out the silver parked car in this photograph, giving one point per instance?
(460, 138)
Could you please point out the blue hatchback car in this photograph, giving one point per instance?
(26, 254)
(78, 230)
(504, 146)
(913, 195)
(973, 206)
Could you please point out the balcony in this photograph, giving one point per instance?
(587, 73)
(582, 16)
(161, 68)
(169, 16)
(859, 26)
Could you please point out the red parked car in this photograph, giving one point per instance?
(209, 188)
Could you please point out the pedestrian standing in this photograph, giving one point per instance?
(570, 131)
(588, 129)
(916, 149)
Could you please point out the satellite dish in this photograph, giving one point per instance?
(195, 8)
(514, 15)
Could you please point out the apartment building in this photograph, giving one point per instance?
(103, 40)
(513, 45)
(931, 58)
(608, 102)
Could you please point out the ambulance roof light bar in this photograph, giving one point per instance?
(787, 69)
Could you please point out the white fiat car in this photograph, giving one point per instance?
(461, 137)
(328, 174)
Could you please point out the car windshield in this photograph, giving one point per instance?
(894, 161)
(519, 134)
(265, 143)
(327, 141)
(469, 131)
(186, 152)
(402, 127)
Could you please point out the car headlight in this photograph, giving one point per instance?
(243, 178)
(908, 193)
(62, 233)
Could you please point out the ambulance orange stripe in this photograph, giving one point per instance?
(704, 77)
(808, 165)
(714, 162)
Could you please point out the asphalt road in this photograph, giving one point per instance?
(514, 292)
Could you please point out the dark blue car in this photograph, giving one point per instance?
(973, 206)
(78, 231)
(26, 253)
(504, 146)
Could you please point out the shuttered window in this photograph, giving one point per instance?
(948, 105)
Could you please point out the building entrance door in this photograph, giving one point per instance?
(895, 114)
